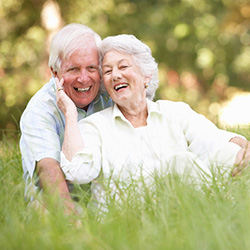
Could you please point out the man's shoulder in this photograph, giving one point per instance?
(105, 97)
(43, 99)
(103, 101)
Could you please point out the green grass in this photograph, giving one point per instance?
(174, 216)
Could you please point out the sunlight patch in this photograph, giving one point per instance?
(236, 111)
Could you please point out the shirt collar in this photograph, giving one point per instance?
(153, 108)
(117, 112)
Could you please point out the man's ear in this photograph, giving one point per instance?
(53, 72)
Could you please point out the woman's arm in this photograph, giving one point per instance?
(72, 138)
(204, 138)
(82, 164)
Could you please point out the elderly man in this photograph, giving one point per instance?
(74, 58)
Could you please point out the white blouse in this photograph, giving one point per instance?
(175, 137)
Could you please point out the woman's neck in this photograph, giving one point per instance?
(136, 114)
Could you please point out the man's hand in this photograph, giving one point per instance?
(54, 184)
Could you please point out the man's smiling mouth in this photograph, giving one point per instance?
(82, 89)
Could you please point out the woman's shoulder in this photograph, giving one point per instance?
(172, 106)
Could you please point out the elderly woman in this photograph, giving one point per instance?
(137, 137)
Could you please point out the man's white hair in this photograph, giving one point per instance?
(70, 38)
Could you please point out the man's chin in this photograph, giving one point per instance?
(83, 104)
(83, 100)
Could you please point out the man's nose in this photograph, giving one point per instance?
(83, 76)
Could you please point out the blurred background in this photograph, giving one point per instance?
(202, 48)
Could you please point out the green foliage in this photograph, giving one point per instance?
(202, 47)
(22, 50)
(177, 215)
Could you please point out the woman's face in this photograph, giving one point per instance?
(122, 78)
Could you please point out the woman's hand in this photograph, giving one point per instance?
(65, 104)
(242, 159)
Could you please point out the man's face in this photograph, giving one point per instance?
(81, 76)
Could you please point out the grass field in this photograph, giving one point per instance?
(177, 216)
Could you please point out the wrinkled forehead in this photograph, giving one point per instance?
(115, 56)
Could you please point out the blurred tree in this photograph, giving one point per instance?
(23, 56)
(202, 47)
(21, 50)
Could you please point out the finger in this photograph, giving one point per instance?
(241, 167)
(59, 84)
(236, 171)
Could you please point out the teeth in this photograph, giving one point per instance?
(82, 89)
(117, 87)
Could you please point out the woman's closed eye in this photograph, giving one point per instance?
(107, 71)
(124, 66)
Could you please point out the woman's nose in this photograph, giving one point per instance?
(116, 74)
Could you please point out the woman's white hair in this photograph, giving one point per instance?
(70, 38)
(141, 54)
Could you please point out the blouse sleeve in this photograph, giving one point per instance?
(85, 165)
(225, 156)
(202, 136)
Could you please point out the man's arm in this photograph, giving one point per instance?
(53, 182)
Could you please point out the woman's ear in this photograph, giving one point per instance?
(147, 79)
